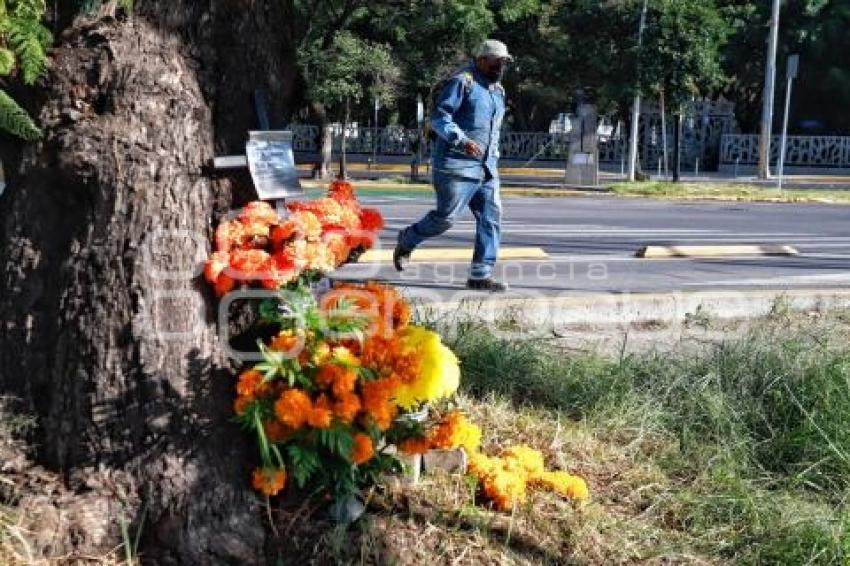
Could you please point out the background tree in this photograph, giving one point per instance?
(429, 40)
(345, 72)
(681, 56)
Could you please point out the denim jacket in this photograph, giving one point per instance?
(468, 108)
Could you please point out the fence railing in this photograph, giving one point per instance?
(813, 152)
(523, 147)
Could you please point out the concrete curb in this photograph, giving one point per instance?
(548, 314)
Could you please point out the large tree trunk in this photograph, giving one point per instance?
(107, 333)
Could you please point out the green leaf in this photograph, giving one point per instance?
(15, 119)
(7, 61)
(303, 463)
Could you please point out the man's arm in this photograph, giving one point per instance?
(442, 117)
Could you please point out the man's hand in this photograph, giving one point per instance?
(472, 148)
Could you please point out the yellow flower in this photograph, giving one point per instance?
(438, 373)
(563, 483)
(504, 480)
(527, 458)
(454, 431)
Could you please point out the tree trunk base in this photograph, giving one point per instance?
(107, 331)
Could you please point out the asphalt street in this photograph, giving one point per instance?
(591, 244)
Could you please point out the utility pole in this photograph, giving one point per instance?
(790, 75)
(767, 107)
(636, 104)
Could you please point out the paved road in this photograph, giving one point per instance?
(591, 242)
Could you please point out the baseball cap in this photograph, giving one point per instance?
(493, 48)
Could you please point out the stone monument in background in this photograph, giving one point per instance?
(583, 155)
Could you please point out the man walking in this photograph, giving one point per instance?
(467, 118)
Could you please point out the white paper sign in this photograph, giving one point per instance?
(272, 165)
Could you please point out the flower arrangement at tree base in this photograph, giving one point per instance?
(344, 374)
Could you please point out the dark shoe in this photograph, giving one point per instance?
(488, 284)
(400, 254)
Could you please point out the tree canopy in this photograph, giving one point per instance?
(396, 50)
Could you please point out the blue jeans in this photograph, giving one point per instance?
(454, 194)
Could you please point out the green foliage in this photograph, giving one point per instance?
(750, 434)
(345, 68)
(778, 401)
(303, 463)
(682, 49)
(23, 48)
(15, 120)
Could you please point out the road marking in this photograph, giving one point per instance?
(449, 254)
(713, 251)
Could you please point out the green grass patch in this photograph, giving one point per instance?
(749, 437)
(728, 191)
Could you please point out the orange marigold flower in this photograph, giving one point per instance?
(275, 431)
(250, 264)
(241, 404)
(228, 235)
(282, 232)
(288, 342)
(347, 407)
(308, 224)
(319, 417)
(324, 402)
(412, 446)
(337, 246)
(223, 285)
(317, 256)
(363, 448)
(348, 217)
(341, 190)
(258, 211)
(292, 408)
(326, 376)
(371, 220)
(255, 234)
(375, 398)
(251, 384)
(344, 382)
(215, 264)
(455, 431)
(268, 481)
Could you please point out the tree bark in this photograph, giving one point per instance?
(107, 332)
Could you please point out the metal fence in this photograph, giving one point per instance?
(808, 152)
(704, 124)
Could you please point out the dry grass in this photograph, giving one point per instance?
(443, 521)
(690, 456)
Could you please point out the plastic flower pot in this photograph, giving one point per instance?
(346, 509)
(412, 463)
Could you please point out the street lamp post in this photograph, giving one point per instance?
(636, 104)
(767, 106)
(420, 118)
(790, 74)
(375, 135)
